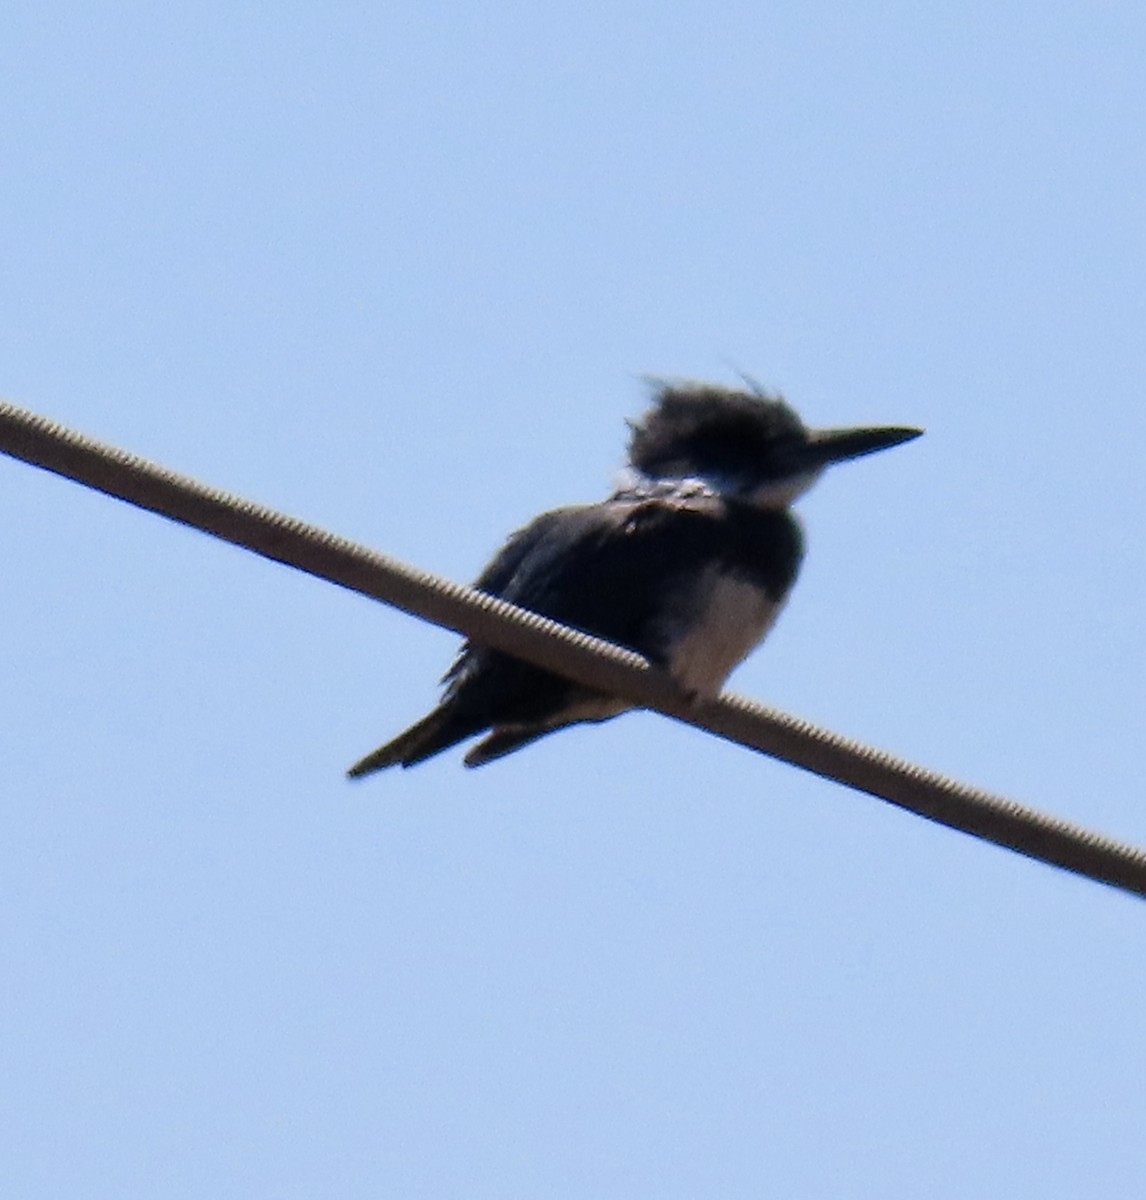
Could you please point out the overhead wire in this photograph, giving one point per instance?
(587, 660)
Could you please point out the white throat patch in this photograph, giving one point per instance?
(778, 494)
(782, 492)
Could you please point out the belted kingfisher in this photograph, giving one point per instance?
(688, 563)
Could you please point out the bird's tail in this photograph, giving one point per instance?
(505, 741)
(435, 732)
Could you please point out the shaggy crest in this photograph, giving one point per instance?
(699, 428)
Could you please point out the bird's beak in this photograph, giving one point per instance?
(826, 446)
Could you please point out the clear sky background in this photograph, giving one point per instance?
(398, 269)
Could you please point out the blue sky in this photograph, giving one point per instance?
(399, 270)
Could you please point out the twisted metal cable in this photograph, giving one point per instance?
(588, 660)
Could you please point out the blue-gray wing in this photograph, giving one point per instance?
(611, 569)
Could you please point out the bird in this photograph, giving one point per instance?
(688, 562)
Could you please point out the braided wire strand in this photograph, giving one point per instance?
(588, 660)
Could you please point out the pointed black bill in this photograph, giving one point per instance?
(825, 446)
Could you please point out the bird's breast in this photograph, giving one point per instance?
(728, 617)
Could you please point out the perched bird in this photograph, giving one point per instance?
(688, 563)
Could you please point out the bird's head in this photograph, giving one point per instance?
(748, 444)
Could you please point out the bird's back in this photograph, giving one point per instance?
(671, 574)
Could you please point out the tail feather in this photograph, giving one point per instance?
(505, 741)
(435, 732)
